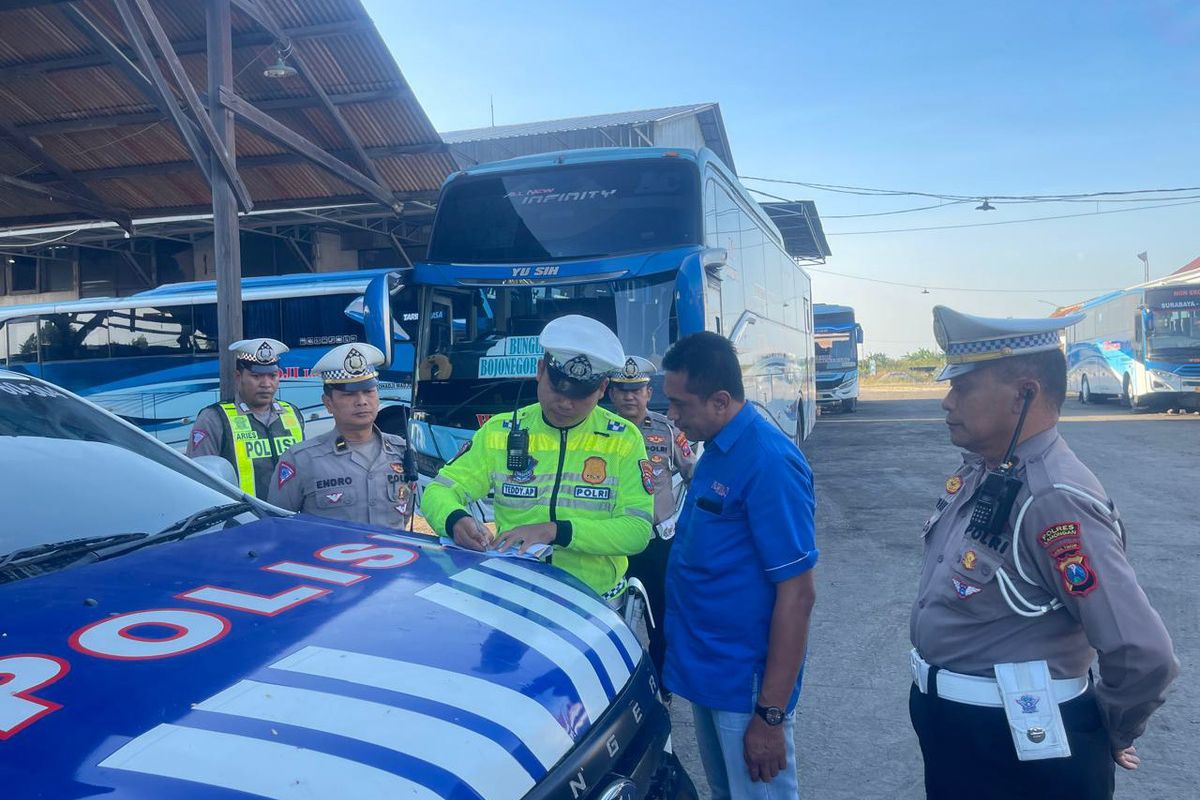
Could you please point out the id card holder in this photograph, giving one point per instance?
(1033, 715)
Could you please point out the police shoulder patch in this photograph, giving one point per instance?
(1058, 533)
(684, 446)
(198, 436)
(286, 473)
(616, 427)
(647, 475)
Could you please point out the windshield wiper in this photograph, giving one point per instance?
(193, 523)
(66, 549)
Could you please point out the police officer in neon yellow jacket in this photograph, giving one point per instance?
(587, 488)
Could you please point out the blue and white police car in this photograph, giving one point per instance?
(163, 635)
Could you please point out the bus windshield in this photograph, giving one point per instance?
(836, 350)
(1175, 330)
(482, 343)
(568, 212)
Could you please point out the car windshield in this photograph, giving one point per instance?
(1175, 330)
(72, 472)
(579, 211)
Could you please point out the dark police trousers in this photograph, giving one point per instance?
(650, 567)
(969, 753)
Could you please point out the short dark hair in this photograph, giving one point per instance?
(711, 363)
(1048, 368)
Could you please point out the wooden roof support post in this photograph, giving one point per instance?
(165, 97)
(272, 128)
(227, 248)
(222, 157)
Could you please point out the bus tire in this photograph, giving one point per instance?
(850, 406)
(1085, 392)
(1132, 401)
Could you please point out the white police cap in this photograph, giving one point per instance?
(582, 350)
(350, 367)
(970, 341)
(260, 356)
(636, 372)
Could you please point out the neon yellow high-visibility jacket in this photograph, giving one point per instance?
(593, 480)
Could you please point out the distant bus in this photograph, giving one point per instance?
(837, 339)
(1141, 345)
(152, 357)
(654, 243)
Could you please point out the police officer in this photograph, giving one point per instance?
(253, 431)
(579, 479)
(355, 472)
(1025, 582)
(670, 454)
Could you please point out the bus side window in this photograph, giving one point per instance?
(22, 341)
(71, 337)
(204, 328)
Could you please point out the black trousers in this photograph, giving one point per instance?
(650, 567)
(969, 753)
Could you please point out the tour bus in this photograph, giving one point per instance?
(1141, 345)
(152, 358)
(837, 339)
(655, 243)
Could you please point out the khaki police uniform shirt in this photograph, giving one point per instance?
(669, 453)
(211, 429)
(325, 476)
(1072, 550)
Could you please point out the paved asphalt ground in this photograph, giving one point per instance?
(878, 473)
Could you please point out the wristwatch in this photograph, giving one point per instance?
(772, 715)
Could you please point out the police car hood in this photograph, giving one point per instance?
(296, 657)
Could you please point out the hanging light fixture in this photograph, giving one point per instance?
(985, 206)
(281, 69)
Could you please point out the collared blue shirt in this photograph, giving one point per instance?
(746, 525)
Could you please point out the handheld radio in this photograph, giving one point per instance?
(518, 440)
(994, 499)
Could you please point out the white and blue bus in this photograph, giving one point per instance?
(152, 357)
(655, 243)
(837, 339)
(1141, 345)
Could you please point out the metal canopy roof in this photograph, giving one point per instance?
(91, 129)
(803, 235)
(708, 117)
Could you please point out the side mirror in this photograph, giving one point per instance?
(1148, 320)
(218, 468)
(858, 334)
(713, 259)
(377, 313)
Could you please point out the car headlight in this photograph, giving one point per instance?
(1169, 379)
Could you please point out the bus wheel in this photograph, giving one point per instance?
(850, 406)
(1085, 392)
(1131, 400)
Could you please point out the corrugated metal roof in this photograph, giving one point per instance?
(51, 73)
(800, 224)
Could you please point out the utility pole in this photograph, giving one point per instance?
(1144, 257)
(227, 250)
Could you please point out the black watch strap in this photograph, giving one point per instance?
(772, 715)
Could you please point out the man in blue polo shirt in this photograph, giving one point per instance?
(740, 587)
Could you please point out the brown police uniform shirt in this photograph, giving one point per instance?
(325, 476)
(669, 453)
(210, 436)
(1072, 550)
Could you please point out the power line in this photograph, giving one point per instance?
(867, 190)
(1088, 292)
(1010, 221)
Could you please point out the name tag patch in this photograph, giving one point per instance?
(592, 492)
(517, 490)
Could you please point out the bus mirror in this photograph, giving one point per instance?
(713, 259)
(1148, 320)
(377, 313)
(858, 334)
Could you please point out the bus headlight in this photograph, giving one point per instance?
(1164, 381)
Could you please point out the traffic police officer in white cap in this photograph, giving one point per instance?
(253, 431)
(1025, 582)
(564, 471)
(355, 472)
(670, 454)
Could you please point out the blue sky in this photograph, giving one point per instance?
(1014, 98)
